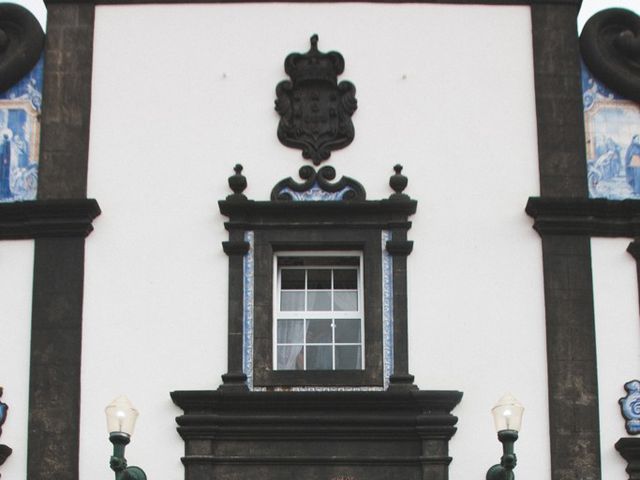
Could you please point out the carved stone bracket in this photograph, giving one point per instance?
(315, 109)
(317, 186)
(610, 46)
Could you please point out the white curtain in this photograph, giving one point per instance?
(290, 357)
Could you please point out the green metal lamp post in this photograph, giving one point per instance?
(121, 419)
(507, 416)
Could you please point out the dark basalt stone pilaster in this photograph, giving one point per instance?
(556, 59)
(571, 359)
(56, 347)
(66, 109)
(56, 334)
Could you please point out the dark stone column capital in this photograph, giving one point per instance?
(399, 247)
(235, 247)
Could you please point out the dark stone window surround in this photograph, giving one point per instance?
(553, 25)
(322, 226)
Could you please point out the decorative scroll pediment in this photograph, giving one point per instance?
(317, 186)
(315, 109)
(610, 46)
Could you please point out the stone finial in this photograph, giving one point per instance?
(237, 183)
(398, 183)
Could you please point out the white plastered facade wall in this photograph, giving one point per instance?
(181, 93)
(16, 284)
(617, 341)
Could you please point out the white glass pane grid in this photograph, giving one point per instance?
(332, 314)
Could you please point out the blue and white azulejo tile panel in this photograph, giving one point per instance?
(612, 131)
(20, 108)
(248, 298)
(387, 309)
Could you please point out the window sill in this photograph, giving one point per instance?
(317, 378)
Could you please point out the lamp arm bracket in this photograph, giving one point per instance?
(498, 472)
(131, 473)
(117, 464)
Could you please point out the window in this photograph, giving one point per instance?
(319, 311)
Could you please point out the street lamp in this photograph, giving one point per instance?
(121, 419)
(507, 417)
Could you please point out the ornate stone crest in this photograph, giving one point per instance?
(315, 109)
(630, 406)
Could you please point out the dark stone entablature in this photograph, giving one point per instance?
(47, 218)
(581, 216)
(260, 214)
(610, 46)
(316, 435)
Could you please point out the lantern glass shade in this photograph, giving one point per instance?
(507, 413)
(121, 416)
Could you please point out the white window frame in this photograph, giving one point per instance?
(309, 315)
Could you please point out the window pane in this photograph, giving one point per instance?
(318, 279)
(348, 330)
(290, 331)
(290, 357)
(344, 301)
(292, 301)
(348, 357)
(319, 331)
(345, 279)
(319, 301)
(292, 279)
(319, 358)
